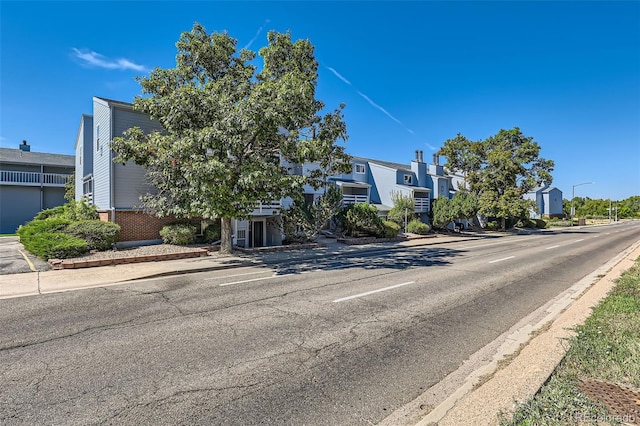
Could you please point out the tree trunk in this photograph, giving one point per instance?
(504, 224)
(226, 236)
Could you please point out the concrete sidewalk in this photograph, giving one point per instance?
(532, 352)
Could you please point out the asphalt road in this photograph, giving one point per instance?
(340, 341)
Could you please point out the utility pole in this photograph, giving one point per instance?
(573, 195)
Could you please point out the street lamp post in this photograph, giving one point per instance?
(573, 196)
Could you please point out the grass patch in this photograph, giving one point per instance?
(606, 347)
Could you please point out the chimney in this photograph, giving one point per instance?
(421, 158)
(417, 156)
(25, 146)
(436, 159)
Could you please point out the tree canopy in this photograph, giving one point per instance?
(499, 170)
(228, 127)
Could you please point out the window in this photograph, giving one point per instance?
(308, 199)
(408, 179)
(360, 168)
(98, 137)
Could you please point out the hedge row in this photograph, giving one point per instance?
(57, 233)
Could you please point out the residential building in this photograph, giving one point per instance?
(548, 201)
(375, 181)
(29, 183)
(115, 189)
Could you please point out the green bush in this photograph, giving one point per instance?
(55, 245)
(362, 219)
(178, 233)
(417, 227)
(99, 235)
(391, 229)
(212, 232)
(56, 212)
(541, 224)
(492, 226)
(526, 223)
(74, 210)
(37, 227)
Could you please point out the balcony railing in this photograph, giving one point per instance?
(422, 205)
(352, 199)
(266, 208)
(33, 178)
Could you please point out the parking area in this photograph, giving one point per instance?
(14, 259)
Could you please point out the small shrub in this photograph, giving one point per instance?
(362, 219)
(541, 224)
(55, 245)
(99, 235)
(178, 233)
(417, 227)
(492, 226)
(526, 223)
(212, 232)
(391, 229)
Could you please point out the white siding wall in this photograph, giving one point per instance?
(101, 155)
(79, 160)
(129, 179)
(385, 181)
(84, 152)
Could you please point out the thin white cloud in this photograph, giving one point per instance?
(375, 105)
(337, 74)
(431, 147)
(368, 99)
(94, 59)
(255, 37)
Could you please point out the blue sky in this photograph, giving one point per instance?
(412, 74)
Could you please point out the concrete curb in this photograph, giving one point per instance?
(535, 357)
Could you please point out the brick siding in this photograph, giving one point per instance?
(137, 225)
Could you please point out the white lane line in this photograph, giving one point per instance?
(552, 247)
(372, 292)
(254, 279)
(577, 241)
(236, 275)
(500, 260)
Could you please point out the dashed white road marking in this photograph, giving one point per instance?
(552, 247)
(500, 260)
(236, 275)
(355, 296)
(581, 239)
(255, 279)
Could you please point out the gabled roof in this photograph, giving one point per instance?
(549, 189)
(114, 102)
(389, 164)
(17, 156)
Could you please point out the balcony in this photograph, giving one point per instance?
(266, 208)
(87, 189)
(8, 177)
(422, 205)
(352, 199)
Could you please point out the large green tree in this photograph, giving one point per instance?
(499, 170)
(228, 127)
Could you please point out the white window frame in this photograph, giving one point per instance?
(360, 169)
(408, 179)
(97, 137)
